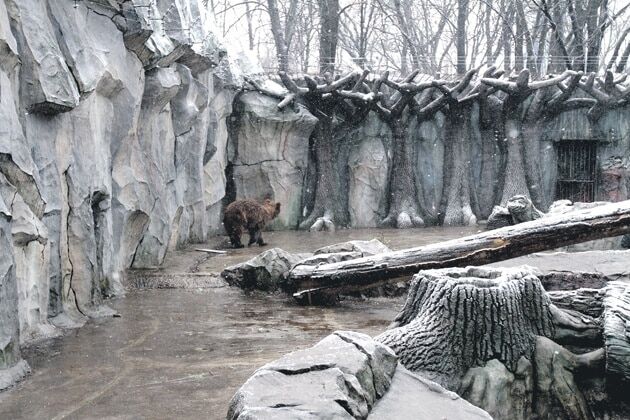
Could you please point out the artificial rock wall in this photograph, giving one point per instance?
(110, 116)
(269, 157)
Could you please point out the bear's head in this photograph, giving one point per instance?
(273, 209)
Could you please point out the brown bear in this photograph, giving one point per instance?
(250, 215)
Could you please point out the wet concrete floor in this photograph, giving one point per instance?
(182, 353)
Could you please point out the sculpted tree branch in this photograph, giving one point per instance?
(458, 201)
(339, 105)
(403, 209)
(517, 92)
(610, 93)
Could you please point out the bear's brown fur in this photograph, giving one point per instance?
(249, 215)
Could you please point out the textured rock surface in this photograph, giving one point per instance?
(412, 397)
(502, 393)
(266, 271)
(342, 376)
(9, 324)
(346, 375)
(269, 154)
(367, 173)
(104, 138)
(215, 156)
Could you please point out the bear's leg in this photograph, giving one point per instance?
(253, 236)
(235, 238)
(259, 238)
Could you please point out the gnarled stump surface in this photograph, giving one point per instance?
(455, 319)
(496, 337)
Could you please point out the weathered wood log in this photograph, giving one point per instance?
(616, 320)
(500, 244)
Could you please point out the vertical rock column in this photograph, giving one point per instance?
(12, 368)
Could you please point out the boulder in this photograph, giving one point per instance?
(412, 397)
(269, 270)
(518, 209)
(342, 376)
(347, 375)
(266, 271)
(502, 393)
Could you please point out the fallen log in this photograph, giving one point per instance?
(617, 330)
(543, 234)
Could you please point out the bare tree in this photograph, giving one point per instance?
(356, 29)
(328, 35)
(282, 35)
(462, 14)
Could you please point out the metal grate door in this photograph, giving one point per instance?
(577, 173)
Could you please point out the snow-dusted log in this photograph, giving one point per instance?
(496, 245)
(616, 320)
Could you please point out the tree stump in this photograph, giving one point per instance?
(458, 318)
(496, 337)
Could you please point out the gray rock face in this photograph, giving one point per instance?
(9, 325)
(270, 153)
(342, 376)
(48, 86)
(215, 158)
(347, 375)
(367, 173)
(102, 153)
(412, 397)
